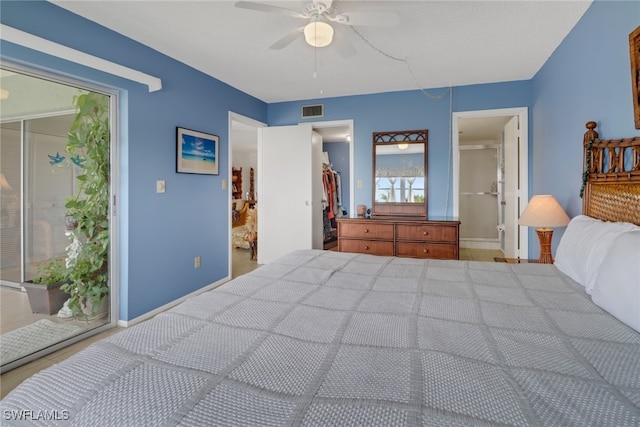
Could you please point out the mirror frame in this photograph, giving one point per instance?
(415, 210)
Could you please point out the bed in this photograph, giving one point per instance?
(330, 338)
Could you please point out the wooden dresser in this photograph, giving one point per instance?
(400, 237)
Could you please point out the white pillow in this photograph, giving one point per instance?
(584, 245)
(617, 286)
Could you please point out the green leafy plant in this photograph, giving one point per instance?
(88, 254)
(51, 272)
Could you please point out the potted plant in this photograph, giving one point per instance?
(44, 291)
(88, 254)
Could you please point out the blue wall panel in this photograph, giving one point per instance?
(587, 78)
(160, 234)
(404, 111)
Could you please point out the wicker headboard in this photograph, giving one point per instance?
(612, 173)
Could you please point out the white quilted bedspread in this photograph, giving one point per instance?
(328, 338)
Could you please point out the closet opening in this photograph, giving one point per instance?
(337, 176)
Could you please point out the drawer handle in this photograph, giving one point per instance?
(366, 248)
(426, 233)
(366, 230)
(426, 251)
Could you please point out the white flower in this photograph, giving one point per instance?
(73, 250)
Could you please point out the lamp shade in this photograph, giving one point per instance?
(544, 211)
(318, 34)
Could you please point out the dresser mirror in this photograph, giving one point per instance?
(400, 174)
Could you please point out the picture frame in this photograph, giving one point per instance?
(634, 51)
(196, 152)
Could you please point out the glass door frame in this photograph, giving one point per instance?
(114, 248)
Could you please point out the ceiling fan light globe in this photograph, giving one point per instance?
(318, 34)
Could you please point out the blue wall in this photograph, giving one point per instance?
(408, 110)
(160, 234)
(587, 78)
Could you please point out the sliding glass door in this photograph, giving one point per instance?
(33, 199)
(38, 175)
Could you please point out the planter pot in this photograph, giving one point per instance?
(45, 299)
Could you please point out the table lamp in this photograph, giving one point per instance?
(544, 212)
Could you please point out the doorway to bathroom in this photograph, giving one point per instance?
(490, 165)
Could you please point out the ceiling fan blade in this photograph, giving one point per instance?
(342, 45)
(288, 38)
(262, 7)
(379, 19)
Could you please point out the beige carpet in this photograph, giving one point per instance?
(37, 336)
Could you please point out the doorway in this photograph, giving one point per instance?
(243, 150)
(338, 136)
(490, 179)
(37, 178)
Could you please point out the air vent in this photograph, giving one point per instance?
(313, 110)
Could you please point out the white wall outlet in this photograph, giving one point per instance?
(161, 187)
(196, 262)
(224, 184)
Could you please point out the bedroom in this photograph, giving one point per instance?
(153, 260)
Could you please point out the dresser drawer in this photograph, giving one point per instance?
(427, 232)
(366, 230)
(427, 250)
(373, 247)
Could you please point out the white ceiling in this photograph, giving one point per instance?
(437, 44)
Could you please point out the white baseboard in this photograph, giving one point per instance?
(150, 314)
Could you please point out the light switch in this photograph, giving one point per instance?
(160, 186)
(359, 184)
(224, 184)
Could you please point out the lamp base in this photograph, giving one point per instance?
(545, 235)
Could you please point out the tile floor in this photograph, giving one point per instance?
(480, 254)
(15, 312)
(241, 264)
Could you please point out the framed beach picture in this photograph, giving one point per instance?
(197, 152)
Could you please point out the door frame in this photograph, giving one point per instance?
(248, 121)
(523, 166)
(349, 124)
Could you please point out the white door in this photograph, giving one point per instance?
(511, 189)
(289, 191)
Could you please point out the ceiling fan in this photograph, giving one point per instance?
(318, 32)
